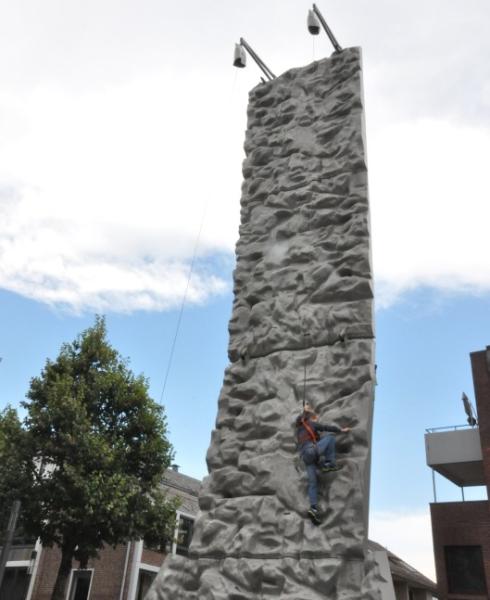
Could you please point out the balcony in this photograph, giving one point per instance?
(455, 453)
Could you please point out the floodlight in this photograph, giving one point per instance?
(313, 23)
(239, 58)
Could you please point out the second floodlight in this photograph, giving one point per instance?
(313, 23)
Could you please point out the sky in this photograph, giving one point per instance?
(121, 133)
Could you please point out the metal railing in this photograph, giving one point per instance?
(450, 428)
(447, 428)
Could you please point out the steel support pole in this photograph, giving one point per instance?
(327, 29)
(260, 63)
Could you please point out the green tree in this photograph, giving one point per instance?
(93, 445)
(13, 474)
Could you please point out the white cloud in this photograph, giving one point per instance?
(120, 125)
(104, 195)
(408, 535)
(429, 196)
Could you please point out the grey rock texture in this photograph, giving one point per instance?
(303, 299)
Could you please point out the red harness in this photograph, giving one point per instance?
(312, 436)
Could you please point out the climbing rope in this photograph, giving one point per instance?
(184, 299)
(304, 385)
(189, 276)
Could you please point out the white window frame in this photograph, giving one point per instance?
(136, 567)
(137, 564)
(18, 564)
(178, 514)
(38, 548)
(31, 566)
(147, 567)
(134, 572)
(70, 582)
(144, 567)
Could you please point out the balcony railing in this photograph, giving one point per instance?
(455, 453)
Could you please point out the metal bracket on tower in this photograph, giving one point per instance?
(315, 16)
(240, 58)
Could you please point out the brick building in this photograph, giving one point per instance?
(121, 573)
(461, 530)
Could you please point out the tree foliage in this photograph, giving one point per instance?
(94, 450)
(14, 480)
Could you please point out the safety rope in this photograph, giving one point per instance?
(191, 270)
(184, 299)
(304, 385)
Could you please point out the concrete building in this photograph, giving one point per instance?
(126, 572)
(461, 530)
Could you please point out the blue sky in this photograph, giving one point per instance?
(121, 133)
(422, 351)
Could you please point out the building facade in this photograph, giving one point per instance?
(127, 571)
(122, 573)
(461, 530)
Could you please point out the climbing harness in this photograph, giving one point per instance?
(312, 436)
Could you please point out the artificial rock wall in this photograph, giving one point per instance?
(303, 302)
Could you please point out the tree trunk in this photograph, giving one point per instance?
(59, 591)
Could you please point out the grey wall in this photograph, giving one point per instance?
(303, 297)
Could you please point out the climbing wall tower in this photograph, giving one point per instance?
(302, 305)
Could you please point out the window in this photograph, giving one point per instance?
(15, 583)
(184, 535)
(464, 569)
(164, 547)
(145, 579)
(80, 584)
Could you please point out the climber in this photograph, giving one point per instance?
(317, 452)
